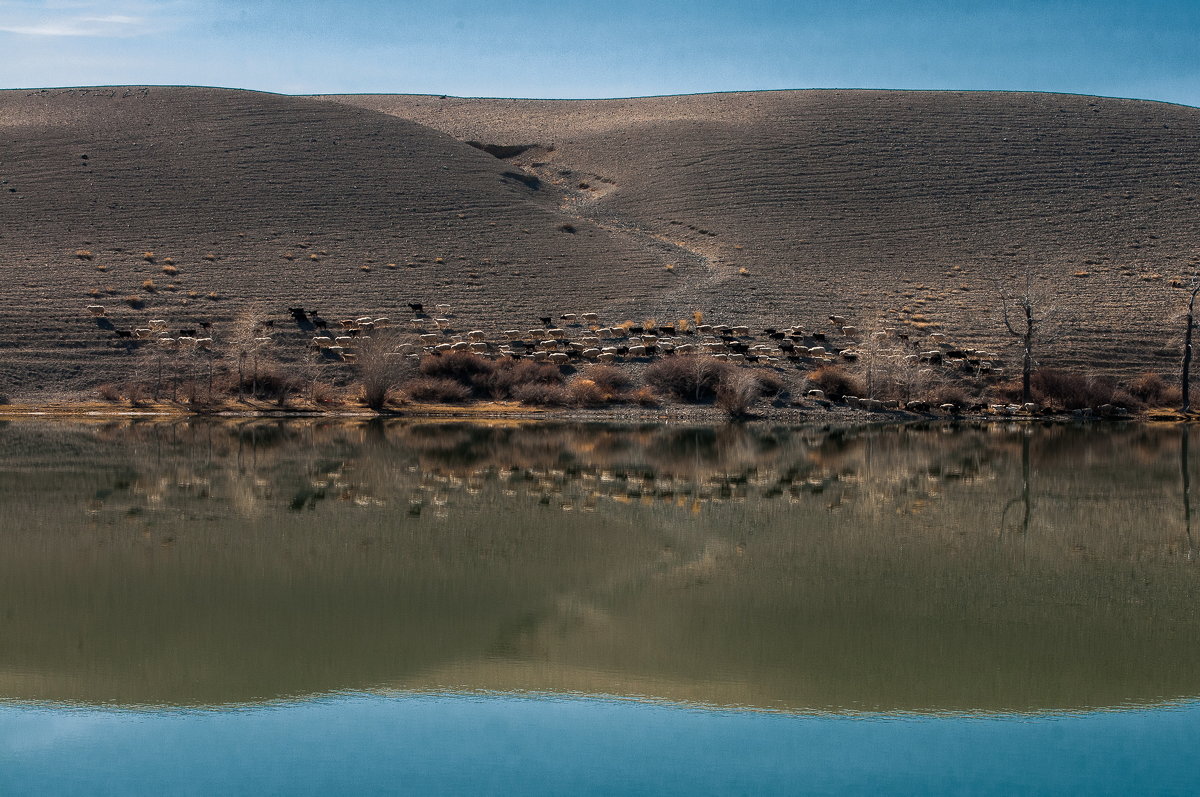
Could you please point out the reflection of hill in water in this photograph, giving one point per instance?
(886, 568)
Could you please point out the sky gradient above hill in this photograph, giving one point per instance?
(573, 48)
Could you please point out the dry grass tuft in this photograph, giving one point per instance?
(84, 254)
(135, 301)
(149, 286)
(170, 270)
(148, 257)
(210, 257)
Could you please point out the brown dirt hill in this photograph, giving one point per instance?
(874, 205)
(892, 205)
(226, 183)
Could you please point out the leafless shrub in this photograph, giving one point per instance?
(379, 369)
(508, 375)
(608, 378)
(950, 394)
(737, 392)
(543, 395)
(440, 389)
(1053, 387)
(324, 393)
(586, 393)
(469, 370)
(1153, 390)
(109, 393)
(691, 378)
(643, 397)
(836, 381)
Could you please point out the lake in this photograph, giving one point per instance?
(317, 606)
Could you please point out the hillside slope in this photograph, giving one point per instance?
(882, 205)
(247, 180)
(767, 208)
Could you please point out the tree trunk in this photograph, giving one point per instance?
(1027, 363)
(1186, 378)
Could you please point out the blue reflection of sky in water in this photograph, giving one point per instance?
(434, 744)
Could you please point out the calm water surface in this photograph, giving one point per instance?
(316, 607)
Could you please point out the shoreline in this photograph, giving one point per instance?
(514, 411)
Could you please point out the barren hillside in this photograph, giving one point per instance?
(229, 185)
(880, 204)
(768, 208)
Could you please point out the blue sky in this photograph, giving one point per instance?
(569, 48)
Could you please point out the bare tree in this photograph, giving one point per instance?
(380, 368)
(1185, 380)
(1026, 313)
(246, 340)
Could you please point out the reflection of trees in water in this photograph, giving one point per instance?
(1026, 497)
(264, 466)
(810, 553)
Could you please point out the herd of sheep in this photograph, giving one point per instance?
(583, 337)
